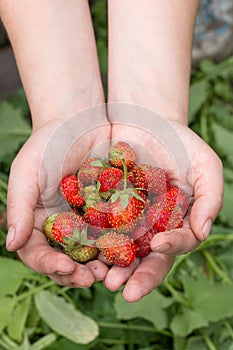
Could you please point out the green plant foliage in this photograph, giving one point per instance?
(100, 21)
(7, 306)
(215, 304)
(12, 272)
(64, 319)
(18, 100)
(14, 129)
(156, 314)
(18, 320)
(198, 95)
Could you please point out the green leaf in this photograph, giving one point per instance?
(226, 212)
(202, 294)
(99, 11)
(228, 174)
(19, 100)
(97, 163)
(198, 95)
(222, 113)
(18, 320)
(138, 196)
(12, 273)
(124, 200)
(208, 302)
(64, 319)
(114, 197)
(223, 139)
(196, 343)
(184, 323)
(103, 55)
(151, 308)
(223, 90)
(98, 186)
(64, 344)
(179, 343)
(26, 344)
(7, 305)
(207, 66)
(44, 342)
(14, 129)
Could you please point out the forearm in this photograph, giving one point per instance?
(150, 54)
(54, 46)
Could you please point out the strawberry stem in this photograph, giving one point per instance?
(124, 174)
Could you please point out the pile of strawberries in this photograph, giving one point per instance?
(117, 206)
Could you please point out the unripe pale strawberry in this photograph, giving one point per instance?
(59, 226)
(70, 232)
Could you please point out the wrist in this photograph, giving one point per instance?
(153, 91)
(62, 105)
(170, 111)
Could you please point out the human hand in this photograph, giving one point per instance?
(192, 165)
(52, 152)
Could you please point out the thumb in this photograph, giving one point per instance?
(208, 192)
(23, 193)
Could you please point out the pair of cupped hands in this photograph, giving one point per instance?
(57, 148)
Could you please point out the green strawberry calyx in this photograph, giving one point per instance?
(127, 192)
(79, 238)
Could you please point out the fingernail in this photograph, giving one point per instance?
(62, 273)
(162, 248)
(10, 236)
(206, 228)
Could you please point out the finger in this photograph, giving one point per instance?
(80, 278)
(149, 275)
(117, 275)
(98, 268)
(42, 258)
(21, 202)
(176, 242)
(208, 192)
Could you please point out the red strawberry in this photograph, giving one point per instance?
(59, 226)
(108, 180)
(138, 178)
(178, 197)
(157, 179)
(122, 151)
(117, 248)
(168, 210)
(164, 216)
(89, 170)
(142, 237)
(97, 215)
(71, 190)
(126, 208)
(143, 242)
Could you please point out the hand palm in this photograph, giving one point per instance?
(50, 153)
(193, 166)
